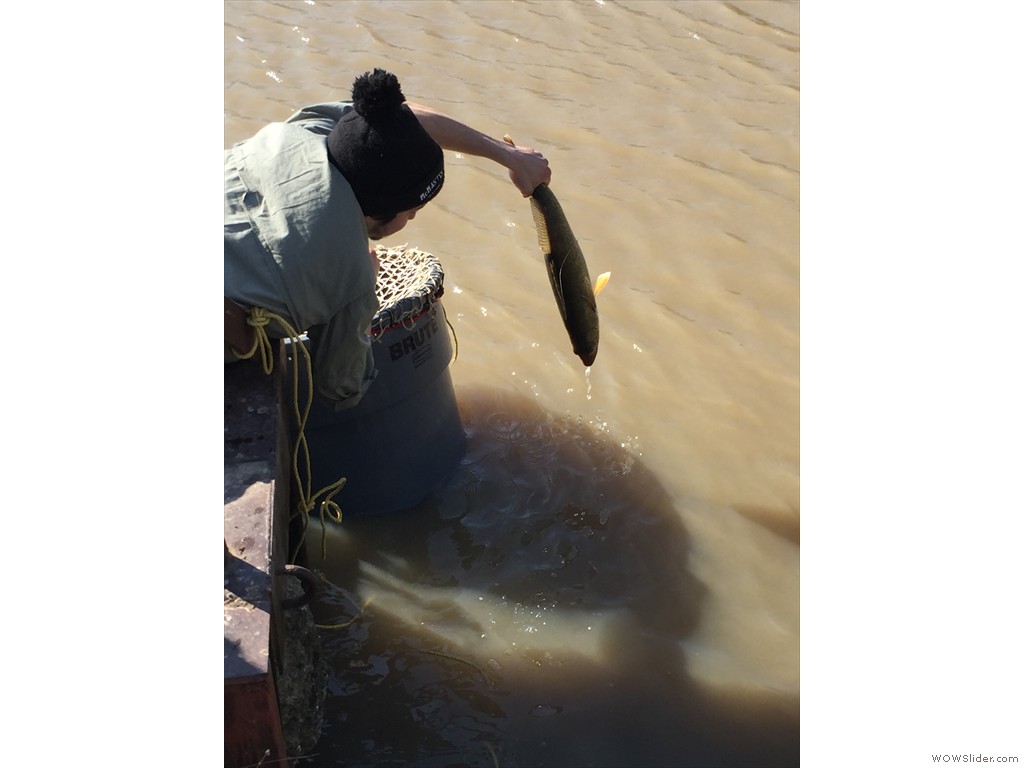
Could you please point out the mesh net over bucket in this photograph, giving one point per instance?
(408, 283)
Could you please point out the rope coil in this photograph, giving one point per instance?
(259, 318)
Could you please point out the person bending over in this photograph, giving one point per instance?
(303, 199)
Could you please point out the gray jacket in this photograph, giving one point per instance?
(295, 244)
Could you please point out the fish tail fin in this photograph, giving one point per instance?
(601, 282)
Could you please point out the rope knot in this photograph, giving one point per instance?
(258, 317)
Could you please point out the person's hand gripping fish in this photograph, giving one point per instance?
(528, 169)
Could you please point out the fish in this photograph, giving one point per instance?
(567, 272)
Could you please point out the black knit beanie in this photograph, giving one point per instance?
(382, 150)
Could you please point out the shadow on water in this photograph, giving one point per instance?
(531, 612)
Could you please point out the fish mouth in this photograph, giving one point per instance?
(588, 357)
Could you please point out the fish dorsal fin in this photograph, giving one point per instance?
(542, 227)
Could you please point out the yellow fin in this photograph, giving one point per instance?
(601, 282)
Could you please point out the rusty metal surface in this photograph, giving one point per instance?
(247, 579)
(255, 529)
(250, 411)
(249, 739)
(250, 467)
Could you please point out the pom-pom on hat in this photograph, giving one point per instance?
(382, 150)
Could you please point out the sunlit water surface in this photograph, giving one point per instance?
(611, 575)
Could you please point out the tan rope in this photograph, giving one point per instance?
(259, 318)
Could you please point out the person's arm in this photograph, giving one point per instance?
(343, 362)
(527, 167)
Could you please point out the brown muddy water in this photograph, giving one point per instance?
(611, 575)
